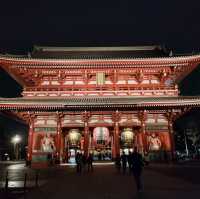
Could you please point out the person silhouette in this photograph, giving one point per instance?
(78, 162)
(124, 162)
(137, 168)
(84, 161)
(118, 162)
(129, 162)
(90, 162)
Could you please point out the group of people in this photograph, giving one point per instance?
(52, 159)
(135, 163)
(82, 161)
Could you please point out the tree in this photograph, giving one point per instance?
(194, 138)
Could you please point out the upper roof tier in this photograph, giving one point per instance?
(61, 60)
(123, 52)
(44, 53)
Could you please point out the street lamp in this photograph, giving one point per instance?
(16, 140)
(186, 145)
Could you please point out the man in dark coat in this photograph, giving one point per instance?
(118, 162)
(129, 159)
(90, 162)
(137, 167)
(124, 162)
(78, 162)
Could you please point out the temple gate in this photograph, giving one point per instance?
(99, 100)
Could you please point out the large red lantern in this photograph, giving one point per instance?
(127, 137)
(101, 136)
(74, 137)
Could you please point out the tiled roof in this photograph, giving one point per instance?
(122, 52)
(92, 49)
(97, 102)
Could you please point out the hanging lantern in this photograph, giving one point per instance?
(101, 135)
(127, 137)
(74, 137)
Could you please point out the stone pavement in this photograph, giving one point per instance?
(106, 183)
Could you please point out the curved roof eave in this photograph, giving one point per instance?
(99, 103)
(150, 60)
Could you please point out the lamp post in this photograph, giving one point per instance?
(186, 146)
(16, 140)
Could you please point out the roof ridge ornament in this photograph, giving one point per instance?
(171, 53)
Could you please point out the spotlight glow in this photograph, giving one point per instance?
(16, 139)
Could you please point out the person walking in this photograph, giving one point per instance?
(118, 162)
(137, 168)
(84, 162)
(129, 160)
(78, 162)
(90, 162)
(146, 158)
(124, 162)
(49, 159)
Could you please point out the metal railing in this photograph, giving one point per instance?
(21, 186)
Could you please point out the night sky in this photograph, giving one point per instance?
(26, 23)
(172, 23)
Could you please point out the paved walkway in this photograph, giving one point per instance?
(105, 183)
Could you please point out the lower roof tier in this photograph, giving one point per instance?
(97, 103)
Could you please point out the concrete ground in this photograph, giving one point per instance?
(106, 183)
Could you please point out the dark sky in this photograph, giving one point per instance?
(174, 23)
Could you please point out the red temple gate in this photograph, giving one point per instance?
(111, 88)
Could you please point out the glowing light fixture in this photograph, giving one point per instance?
(16, 139)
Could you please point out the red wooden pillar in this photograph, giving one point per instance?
(62, 148)
(169, 116)
(30, 138)
(58, 143)
(143, 138)
(116, 144)
(113, 145)
(86, 138)
(86, 133)
(91, 143)
(142, 145)
(116, 140)
(172, 141)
